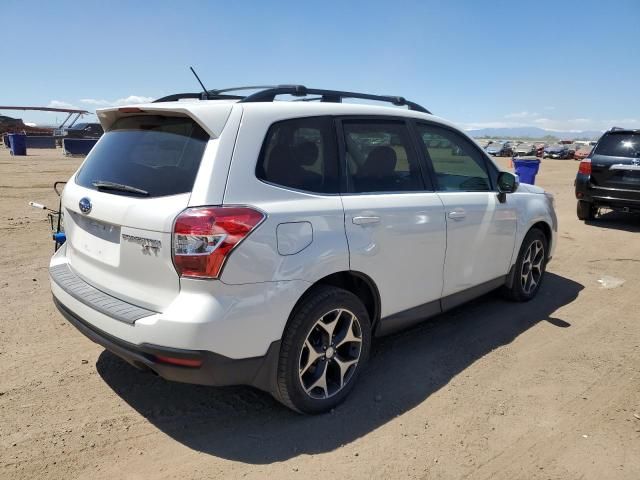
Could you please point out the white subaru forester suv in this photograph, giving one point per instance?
(222, 239)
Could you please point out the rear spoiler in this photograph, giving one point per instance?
(211, 116)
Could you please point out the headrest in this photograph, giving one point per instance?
(380, 162)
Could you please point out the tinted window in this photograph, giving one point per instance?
(160, 155)
(380, 157)
(457, 165)
(301, 154)
(619, 145)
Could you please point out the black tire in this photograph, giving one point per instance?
(318, 304)
(586, 210)
(519, 290)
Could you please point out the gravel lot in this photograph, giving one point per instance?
(548, 389)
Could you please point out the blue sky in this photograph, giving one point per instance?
(552, 64)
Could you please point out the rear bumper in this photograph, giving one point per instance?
(234, 321)
(215, 369)
(615, 198)
(235, 330)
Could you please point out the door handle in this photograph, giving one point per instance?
(366, 220)
(457, 214)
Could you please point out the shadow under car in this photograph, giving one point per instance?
(244, 424)
(629, 222)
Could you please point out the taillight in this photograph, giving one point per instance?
(204, 237)
(585, 167)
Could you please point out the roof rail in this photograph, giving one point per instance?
(269, 93)
(219, 94)
(335, 96)
(199, 95)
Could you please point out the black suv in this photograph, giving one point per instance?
(611, 177)
(84, 130)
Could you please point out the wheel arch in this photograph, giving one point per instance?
(545, 228)
(358, 283)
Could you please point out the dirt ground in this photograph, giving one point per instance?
(544, 390)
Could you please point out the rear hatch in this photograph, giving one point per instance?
(120, 207)
(615, 162)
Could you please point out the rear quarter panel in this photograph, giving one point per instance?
(257, 258)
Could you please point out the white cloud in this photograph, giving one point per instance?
(523, 114)
(131, 99)
(61, 104)
(93, 101)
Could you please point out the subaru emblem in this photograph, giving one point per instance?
(85, 205)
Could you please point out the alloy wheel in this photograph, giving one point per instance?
(532, 266)
(330, 354)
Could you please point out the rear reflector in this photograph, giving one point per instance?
(183, 362)
(204, 237)
(585, 167)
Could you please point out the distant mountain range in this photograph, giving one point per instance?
(534, 132)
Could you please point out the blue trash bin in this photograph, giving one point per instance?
(527, 169)
(18, 144)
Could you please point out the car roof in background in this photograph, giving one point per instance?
(623, 130)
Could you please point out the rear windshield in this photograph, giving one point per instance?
(154, 155)
(619, 145)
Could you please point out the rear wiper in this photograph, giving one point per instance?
(104, 185)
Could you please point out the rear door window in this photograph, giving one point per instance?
(154, 154)
(301, 154)
(381, 157)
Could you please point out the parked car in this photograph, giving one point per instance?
(500, 149)
(582, 153)
(246, 241)
(557, 151)
(83, 130)
(525, 149)
(611, 176)
(79, 130)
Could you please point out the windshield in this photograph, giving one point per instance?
(623, 144)
(155, 154)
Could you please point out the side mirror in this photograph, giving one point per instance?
(507, 183)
